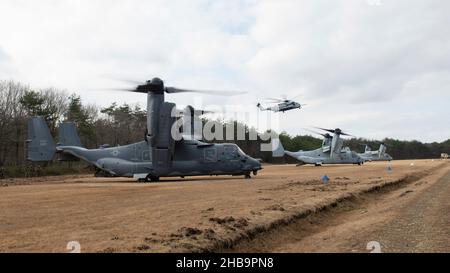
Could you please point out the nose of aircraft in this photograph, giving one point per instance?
(252, 164)
(256, 164)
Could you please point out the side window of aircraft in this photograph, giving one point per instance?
(230, 152)
(210, 155)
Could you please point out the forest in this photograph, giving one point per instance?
(125, 124)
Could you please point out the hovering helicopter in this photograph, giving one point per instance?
(281, 105)
(379, 155)
(159, 155)
(331, 152)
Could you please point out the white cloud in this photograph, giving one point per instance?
(376, 70)
(6, 68)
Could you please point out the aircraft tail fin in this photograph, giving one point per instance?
(67, 135)
(277, 148)
(382, 150)
(40, 144)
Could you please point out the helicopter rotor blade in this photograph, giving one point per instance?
(272, 100)
(324, 129)
(122, 89)
(134, 82)
(126, 80)
(172, 90)
(345, 134)
(335, 131)
(312, 131)
(191, 111)
(298, 95)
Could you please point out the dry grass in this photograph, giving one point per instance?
(194, 214)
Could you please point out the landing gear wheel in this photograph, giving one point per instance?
(153, 178)
(247, 176)
(149, 178)
(255, 172)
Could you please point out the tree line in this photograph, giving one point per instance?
(115, 125)
(125, 124)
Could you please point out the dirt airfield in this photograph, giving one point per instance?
(284, 209)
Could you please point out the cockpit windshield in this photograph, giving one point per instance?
(232, 151)
(240, 151)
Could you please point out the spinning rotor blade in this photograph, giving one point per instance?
(191, 111)
(121, 89)
(198, 113)
(324, 135)
(171, 90)
(274, 100)
(205, 112)
(128, 81)
(335, 131)
(328, 130)
(345, 134)
(157, 85)
(296, 96)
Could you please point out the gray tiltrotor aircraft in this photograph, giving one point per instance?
(379, 155)
(331, 152)
(160, 155)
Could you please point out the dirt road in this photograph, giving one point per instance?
(422, 225)
(284, 208)
(414, 217)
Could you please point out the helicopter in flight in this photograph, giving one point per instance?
(160, 154)
(281, 105)
(379, 155)
(331, 152)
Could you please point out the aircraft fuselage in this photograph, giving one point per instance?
(318, 157)
(190, 158)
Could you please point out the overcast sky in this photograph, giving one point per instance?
(374, 68)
